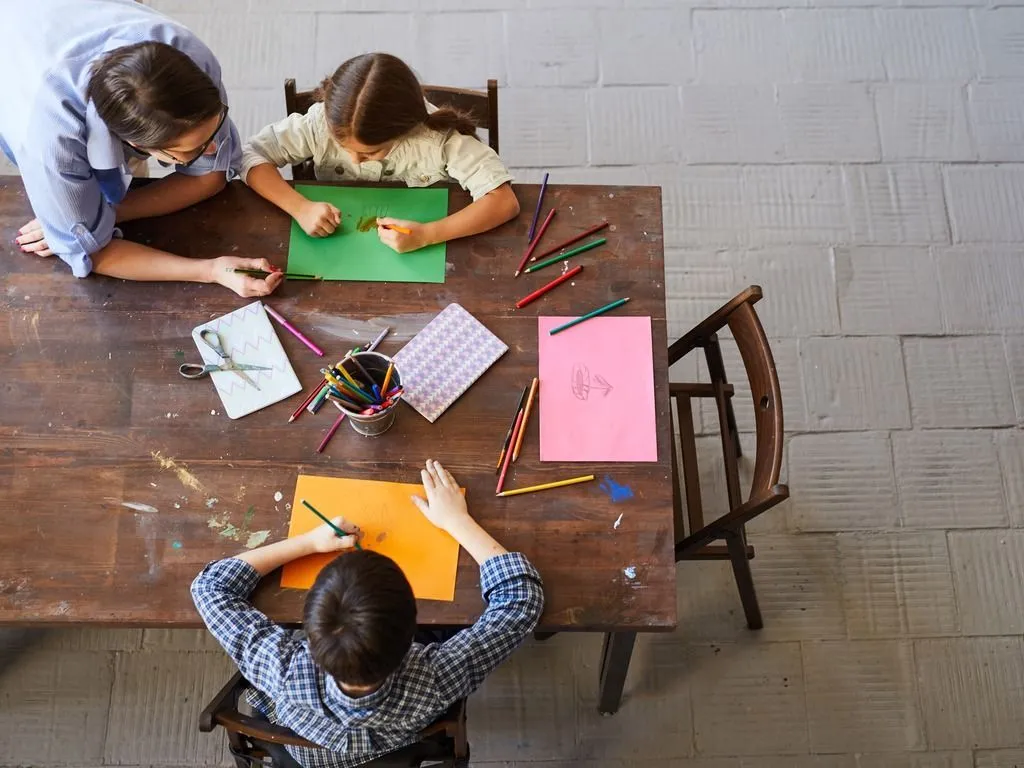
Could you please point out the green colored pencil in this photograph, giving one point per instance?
(335, 528)
(264, 273)
(595, 313)
(566, 255)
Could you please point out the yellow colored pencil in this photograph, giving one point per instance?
(387, 377)
(347, 375)
(545, 486)
(526, 418)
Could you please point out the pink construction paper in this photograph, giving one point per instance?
(597, 390)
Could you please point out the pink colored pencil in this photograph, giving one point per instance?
(330, 433)
(533, 243)
(508, 453)
(553, 284)
(571, 240)
(293, 330)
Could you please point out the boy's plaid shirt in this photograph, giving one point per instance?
(292, 691)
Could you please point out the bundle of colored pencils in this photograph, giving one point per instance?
(516, 432)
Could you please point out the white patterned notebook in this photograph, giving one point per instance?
(444, 359)
(248, 337)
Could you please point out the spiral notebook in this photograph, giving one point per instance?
(444, 359)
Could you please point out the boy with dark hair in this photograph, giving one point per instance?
(356, 683)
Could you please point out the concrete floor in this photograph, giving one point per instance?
(862, 164)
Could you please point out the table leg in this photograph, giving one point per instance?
(615, 655)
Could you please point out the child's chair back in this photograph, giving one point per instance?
(254, 741)
(481, 106)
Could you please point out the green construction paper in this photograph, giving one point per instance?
(349, 254)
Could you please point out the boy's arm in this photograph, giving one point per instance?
(510, 585)
(261, 649)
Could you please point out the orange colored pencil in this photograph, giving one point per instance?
(403, 230)
(508, 453)
(526, 418)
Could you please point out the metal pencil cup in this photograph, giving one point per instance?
(375, 364)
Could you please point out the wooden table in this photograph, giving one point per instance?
(97, 428)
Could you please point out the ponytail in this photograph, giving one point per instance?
(447, 119)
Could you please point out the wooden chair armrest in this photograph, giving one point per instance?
(257, 728)
(226, 698)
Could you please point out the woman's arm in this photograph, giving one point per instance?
(134, 261)
(491, 210)
(171, 193)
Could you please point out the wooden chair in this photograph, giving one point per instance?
(481, 106)
(444, 741)
(694, 537)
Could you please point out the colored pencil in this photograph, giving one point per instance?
(545, 486)
(264, 273)
(307, 401)
(536, 213)
(350, 390)
(330, 433)
(387, 377)
(319, 400)
(595, 313)
(508, 453)
(566, 255)
(508, 435)
(366, 373)
(533, 243)
(293, 330)
(526, 418)
(335, 528)
(403, 230)
(347, 375)
(571, 240)
(553, 284)
(378, 340)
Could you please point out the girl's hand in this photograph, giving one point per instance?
(221, 271)
(445, 506)
(318, 219)
(31, 239)
(324, 538)
(401, 242)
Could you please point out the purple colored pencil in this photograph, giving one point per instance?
(536, 213)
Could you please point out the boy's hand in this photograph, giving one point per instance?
(324, 539)
(445, 506)
(318, 219)
(221, 271)
(401, 242)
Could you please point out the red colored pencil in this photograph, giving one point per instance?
(553, 284)
(571, 240)
(330, 432)
(307, 401)
(533, 243)
(508, 453)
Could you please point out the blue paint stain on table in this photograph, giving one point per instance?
(615, 491)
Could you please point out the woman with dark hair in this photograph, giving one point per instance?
(89, 89)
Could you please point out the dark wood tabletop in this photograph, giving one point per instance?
(117, 476)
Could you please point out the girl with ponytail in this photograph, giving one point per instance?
(371, 123)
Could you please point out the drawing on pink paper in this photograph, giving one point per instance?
(444, 360)
(248, 337)
(597, 390)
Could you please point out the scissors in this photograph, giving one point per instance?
(212, 340)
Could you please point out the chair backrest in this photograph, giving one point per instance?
(243, 730)
(481, 106)
(741, 318)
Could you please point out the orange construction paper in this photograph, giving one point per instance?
(391, 524)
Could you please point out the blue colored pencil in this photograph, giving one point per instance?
(536, 213)
(595, 313)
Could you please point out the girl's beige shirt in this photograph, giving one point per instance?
(422, 158)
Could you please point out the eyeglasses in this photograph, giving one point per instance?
(195, 154)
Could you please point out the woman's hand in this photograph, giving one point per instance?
(318, 219)
(325, 539)
(31, 239)
(222, 271)
(389, 232)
